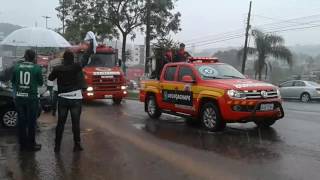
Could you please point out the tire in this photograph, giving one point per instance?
(117, 101)
(264, 123)
(211, 118)
(152, 107)
(305, 97)
(9, 117)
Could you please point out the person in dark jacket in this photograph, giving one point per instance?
(26, 78)
(181, 55)
(70, 83)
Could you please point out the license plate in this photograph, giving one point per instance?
(106, 77)
(266, 107)
(108, 96)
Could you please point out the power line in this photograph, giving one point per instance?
(269, 30)
(237, 31)
(215, 39)
(292, 29)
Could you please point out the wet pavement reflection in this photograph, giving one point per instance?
(291, 146)
(251, 144)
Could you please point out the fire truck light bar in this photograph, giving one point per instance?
(203, 60)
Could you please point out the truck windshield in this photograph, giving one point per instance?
(218, 71)
(102, 60)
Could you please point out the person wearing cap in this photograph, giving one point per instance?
(26, 78)
(70, 84)
(182, 55)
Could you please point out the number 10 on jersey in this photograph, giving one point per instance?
(24, 78)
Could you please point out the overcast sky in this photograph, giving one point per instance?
(201, 19)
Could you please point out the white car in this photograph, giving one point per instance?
(302, 90)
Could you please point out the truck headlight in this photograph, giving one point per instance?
(90, 89)
(123, 87)
(278, 93)
(236, 94)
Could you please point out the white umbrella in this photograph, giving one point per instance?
(35, 37)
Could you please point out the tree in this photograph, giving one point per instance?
(163, 20)
(126, 15)
(268, 45)
(130, 15)
(81, 16)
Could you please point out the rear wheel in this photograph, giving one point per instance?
(265, 123)
(211, 117)
(9, 117)
(117, 101)
(305, 97)
(152, 107)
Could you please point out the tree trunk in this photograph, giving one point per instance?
(123, 52)
(266, 73)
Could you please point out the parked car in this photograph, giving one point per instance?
(8, 113)
(302, 90)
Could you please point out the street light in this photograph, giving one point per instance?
(46, 17)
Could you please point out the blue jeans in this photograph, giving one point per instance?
(27, 116)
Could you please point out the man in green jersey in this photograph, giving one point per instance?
(26, 78)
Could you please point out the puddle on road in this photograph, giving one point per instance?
(238, 141)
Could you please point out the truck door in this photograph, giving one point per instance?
(168, 87)
(185, 104)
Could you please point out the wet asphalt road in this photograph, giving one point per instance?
(121, 142)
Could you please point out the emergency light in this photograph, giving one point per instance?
(203, 60)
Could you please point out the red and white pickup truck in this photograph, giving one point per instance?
(213, 93)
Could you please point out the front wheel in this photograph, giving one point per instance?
(152, 107)
(211, 117)
(265, 123)
(9, 117)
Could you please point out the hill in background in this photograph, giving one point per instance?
(6, 29)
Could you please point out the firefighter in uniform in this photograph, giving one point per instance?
(26, 78)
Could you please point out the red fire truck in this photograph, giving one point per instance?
(102, 73)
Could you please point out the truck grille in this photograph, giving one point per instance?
(106, 83)
(261, 94)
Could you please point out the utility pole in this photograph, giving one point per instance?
(245, 50)
(46, 17)
(148, 38)
(63, 15)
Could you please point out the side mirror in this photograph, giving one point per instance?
(188, 79)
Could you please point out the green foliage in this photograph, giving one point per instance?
(268, 45)
(109, 18)
(83, 16)
(163, 45)
(163, 19)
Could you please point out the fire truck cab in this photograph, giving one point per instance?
(102, 73)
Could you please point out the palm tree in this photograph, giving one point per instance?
(268, 45)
